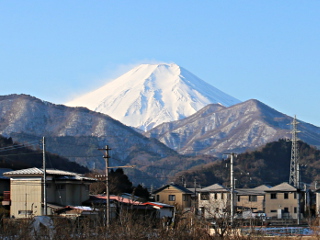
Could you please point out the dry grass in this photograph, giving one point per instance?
(127, 226)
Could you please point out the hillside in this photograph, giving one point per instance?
(215, 129)
(268, 165)
(17, 156)
(78, 133)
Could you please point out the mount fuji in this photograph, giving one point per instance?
(151, 94)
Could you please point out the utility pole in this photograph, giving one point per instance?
(232, 155)
(106, 157)
(44, 177)
(232, 188)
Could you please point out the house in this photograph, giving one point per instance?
(251, 199)
(214, 201)
(281, 201)
(163, 210)
(317, 201)
(173, 194)
(63, 188)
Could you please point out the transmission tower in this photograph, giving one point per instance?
(294, 178)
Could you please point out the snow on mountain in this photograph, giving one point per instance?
(214, 129)
(151, 94)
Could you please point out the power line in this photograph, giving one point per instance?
(18, 146)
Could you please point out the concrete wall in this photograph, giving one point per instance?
(26, 197)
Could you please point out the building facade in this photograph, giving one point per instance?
(63, 188)
(214, 201)
(173, 194)
(282, 202)
(252, 199)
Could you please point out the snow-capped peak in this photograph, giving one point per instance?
(151, 94)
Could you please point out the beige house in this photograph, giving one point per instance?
(252, 199)
(214, 201)
(173, 194)
(27, 193)
(317, 196)
(281, 201)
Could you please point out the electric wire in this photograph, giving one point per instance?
(18, 146)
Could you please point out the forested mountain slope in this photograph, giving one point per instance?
(268, 165)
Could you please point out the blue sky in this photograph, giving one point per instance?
(267, 50)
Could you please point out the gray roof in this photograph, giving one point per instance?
(263, 187)
(283, 187)
(214, 188)
(260, 190)
(182, 189)
(39, 172)
(249, 191)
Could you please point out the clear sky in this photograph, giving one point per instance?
(268, 50)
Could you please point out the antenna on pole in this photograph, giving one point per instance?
(294, 178)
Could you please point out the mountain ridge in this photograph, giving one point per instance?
(150, 94)
(246, 125)
(77, 133)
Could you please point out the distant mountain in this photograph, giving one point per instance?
(151, 94)
(215, 129)
(78, 133)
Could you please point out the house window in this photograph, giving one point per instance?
(60, 186)
(295, 210)
(204, 196)
(295, 195)
(216, 196)
(184, 197)
(158, 198)
(252, 198)
(172, 197)
(286, 195)
(222, 196)
(286, 210)
(273, 196)
(25, 212)
(239, 198)
(273, 210)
